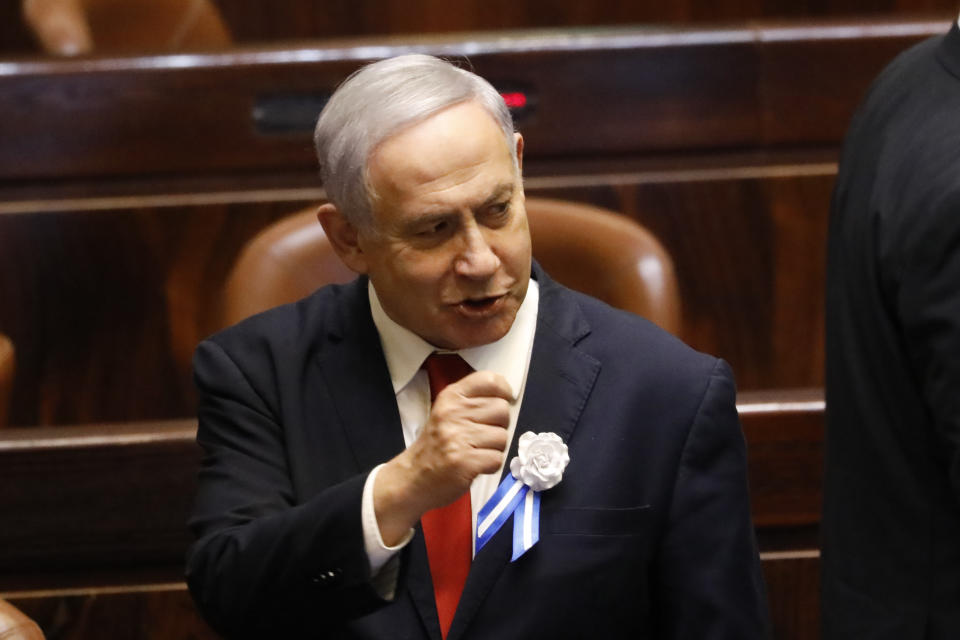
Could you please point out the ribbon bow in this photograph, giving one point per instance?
(539, 465)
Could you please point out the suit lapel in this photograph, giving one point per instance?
(559, 383)
(419, 584)
(355, 372)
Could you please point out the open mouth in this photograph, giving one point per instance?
(480, 306)
(481, 303)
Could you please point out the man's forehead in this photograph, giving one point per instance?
(446, 123)
(459, 146)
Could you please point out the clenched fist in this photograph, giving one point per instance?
(464, 436)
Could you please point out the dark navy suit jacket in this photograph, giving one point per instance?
(647, 536)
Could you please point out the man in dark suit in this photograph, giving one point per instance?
(337, 499)
(891, 519)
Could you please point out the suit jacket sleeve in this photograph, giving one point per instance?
(926, 274)
(710, 583)
(263, 563)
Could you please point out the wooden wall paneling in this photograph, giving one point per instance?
(749, 251)
(642, 92)
(76, 118)
(784, 431)
(270, 21)
(74, 286)
(107, 301)
(114, 117)
(84, 502)
(800, 211)
(808, 93)
(264, 20)
(92, 301)
(106, 323)
(200, 260)
(654, 96)
(793, 590)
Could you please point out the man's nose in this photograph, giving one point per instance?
(477, 259)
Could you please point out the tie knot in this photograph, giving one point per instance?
(443, 369)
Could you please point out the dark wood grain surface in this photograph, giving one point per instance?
(86, 504)
(621, 93)
(106, 305)
(127, 186)
(271, 21)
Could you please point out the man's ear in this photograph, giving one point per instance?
(519, 142)
(343, 236)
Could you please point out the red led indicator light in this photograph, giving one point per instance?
(515, 99)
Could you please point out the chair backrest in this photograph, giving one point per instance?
(606, 255)
(71, 27)
(14, 625)
(592, 250)
(288, 260)
(6, 380)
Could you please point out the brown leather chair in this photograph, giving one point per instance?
(73, 27)
(596, 251)
(6, 381)
(14, 625)
(286, 261)
(606, 255)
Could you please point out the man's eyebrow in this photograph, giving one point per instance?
(427, 219)
(503, 191)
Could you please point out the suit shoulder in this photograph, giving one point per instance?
(294, 328)
(651, 376)
(623, 339)
(900, 75)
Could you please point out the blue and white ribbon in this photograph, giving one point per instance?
(514, 498)
(526, 523)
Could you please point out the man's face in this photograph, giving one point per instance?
(450, 258)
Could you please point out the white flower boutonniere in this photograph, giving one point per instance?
(539, 464)
(540, 460)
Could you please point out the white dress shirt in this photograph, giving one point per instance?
(405, 352)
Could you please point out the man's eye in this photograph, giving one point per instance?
(500, 210)
(433, 229)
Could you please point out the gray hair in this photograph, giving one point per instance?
(378, 101)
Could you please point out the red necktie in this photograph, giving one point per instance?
(448, 530)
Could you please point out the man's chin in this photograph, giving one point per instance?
(462, 333)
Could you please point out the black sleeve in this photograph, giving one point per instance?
(928, 306)
(263, 565)
(710, 583)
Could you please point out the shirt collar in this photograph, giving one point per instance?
(405, 351)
